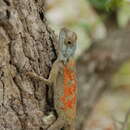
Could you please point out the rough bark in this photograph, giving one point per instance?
(26, 44)
(95, 69)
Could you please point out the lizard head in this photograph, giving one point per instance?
(67, 43)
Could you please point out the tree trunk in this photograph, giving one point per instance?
(26, 44)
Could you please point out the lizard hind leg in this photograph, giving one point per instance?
(57, 125)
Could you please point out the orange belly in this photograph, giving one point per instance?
(69, 97)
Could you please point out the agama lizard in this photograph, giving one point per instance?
(63, 80)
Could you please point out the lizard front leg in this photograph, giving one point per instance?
(52, 77)
(37, 77)
(51, 83)
(59, 123)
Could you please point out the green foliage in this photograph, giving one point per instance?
(85, 25)
(114, 4)
(128, 123)
(107, 5)
(128, 126)
(123, 14)
(122, 77)
(125, 69)
(121, 7)
(99, 4)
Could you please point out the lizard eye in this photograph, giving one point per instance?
(69, 42)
